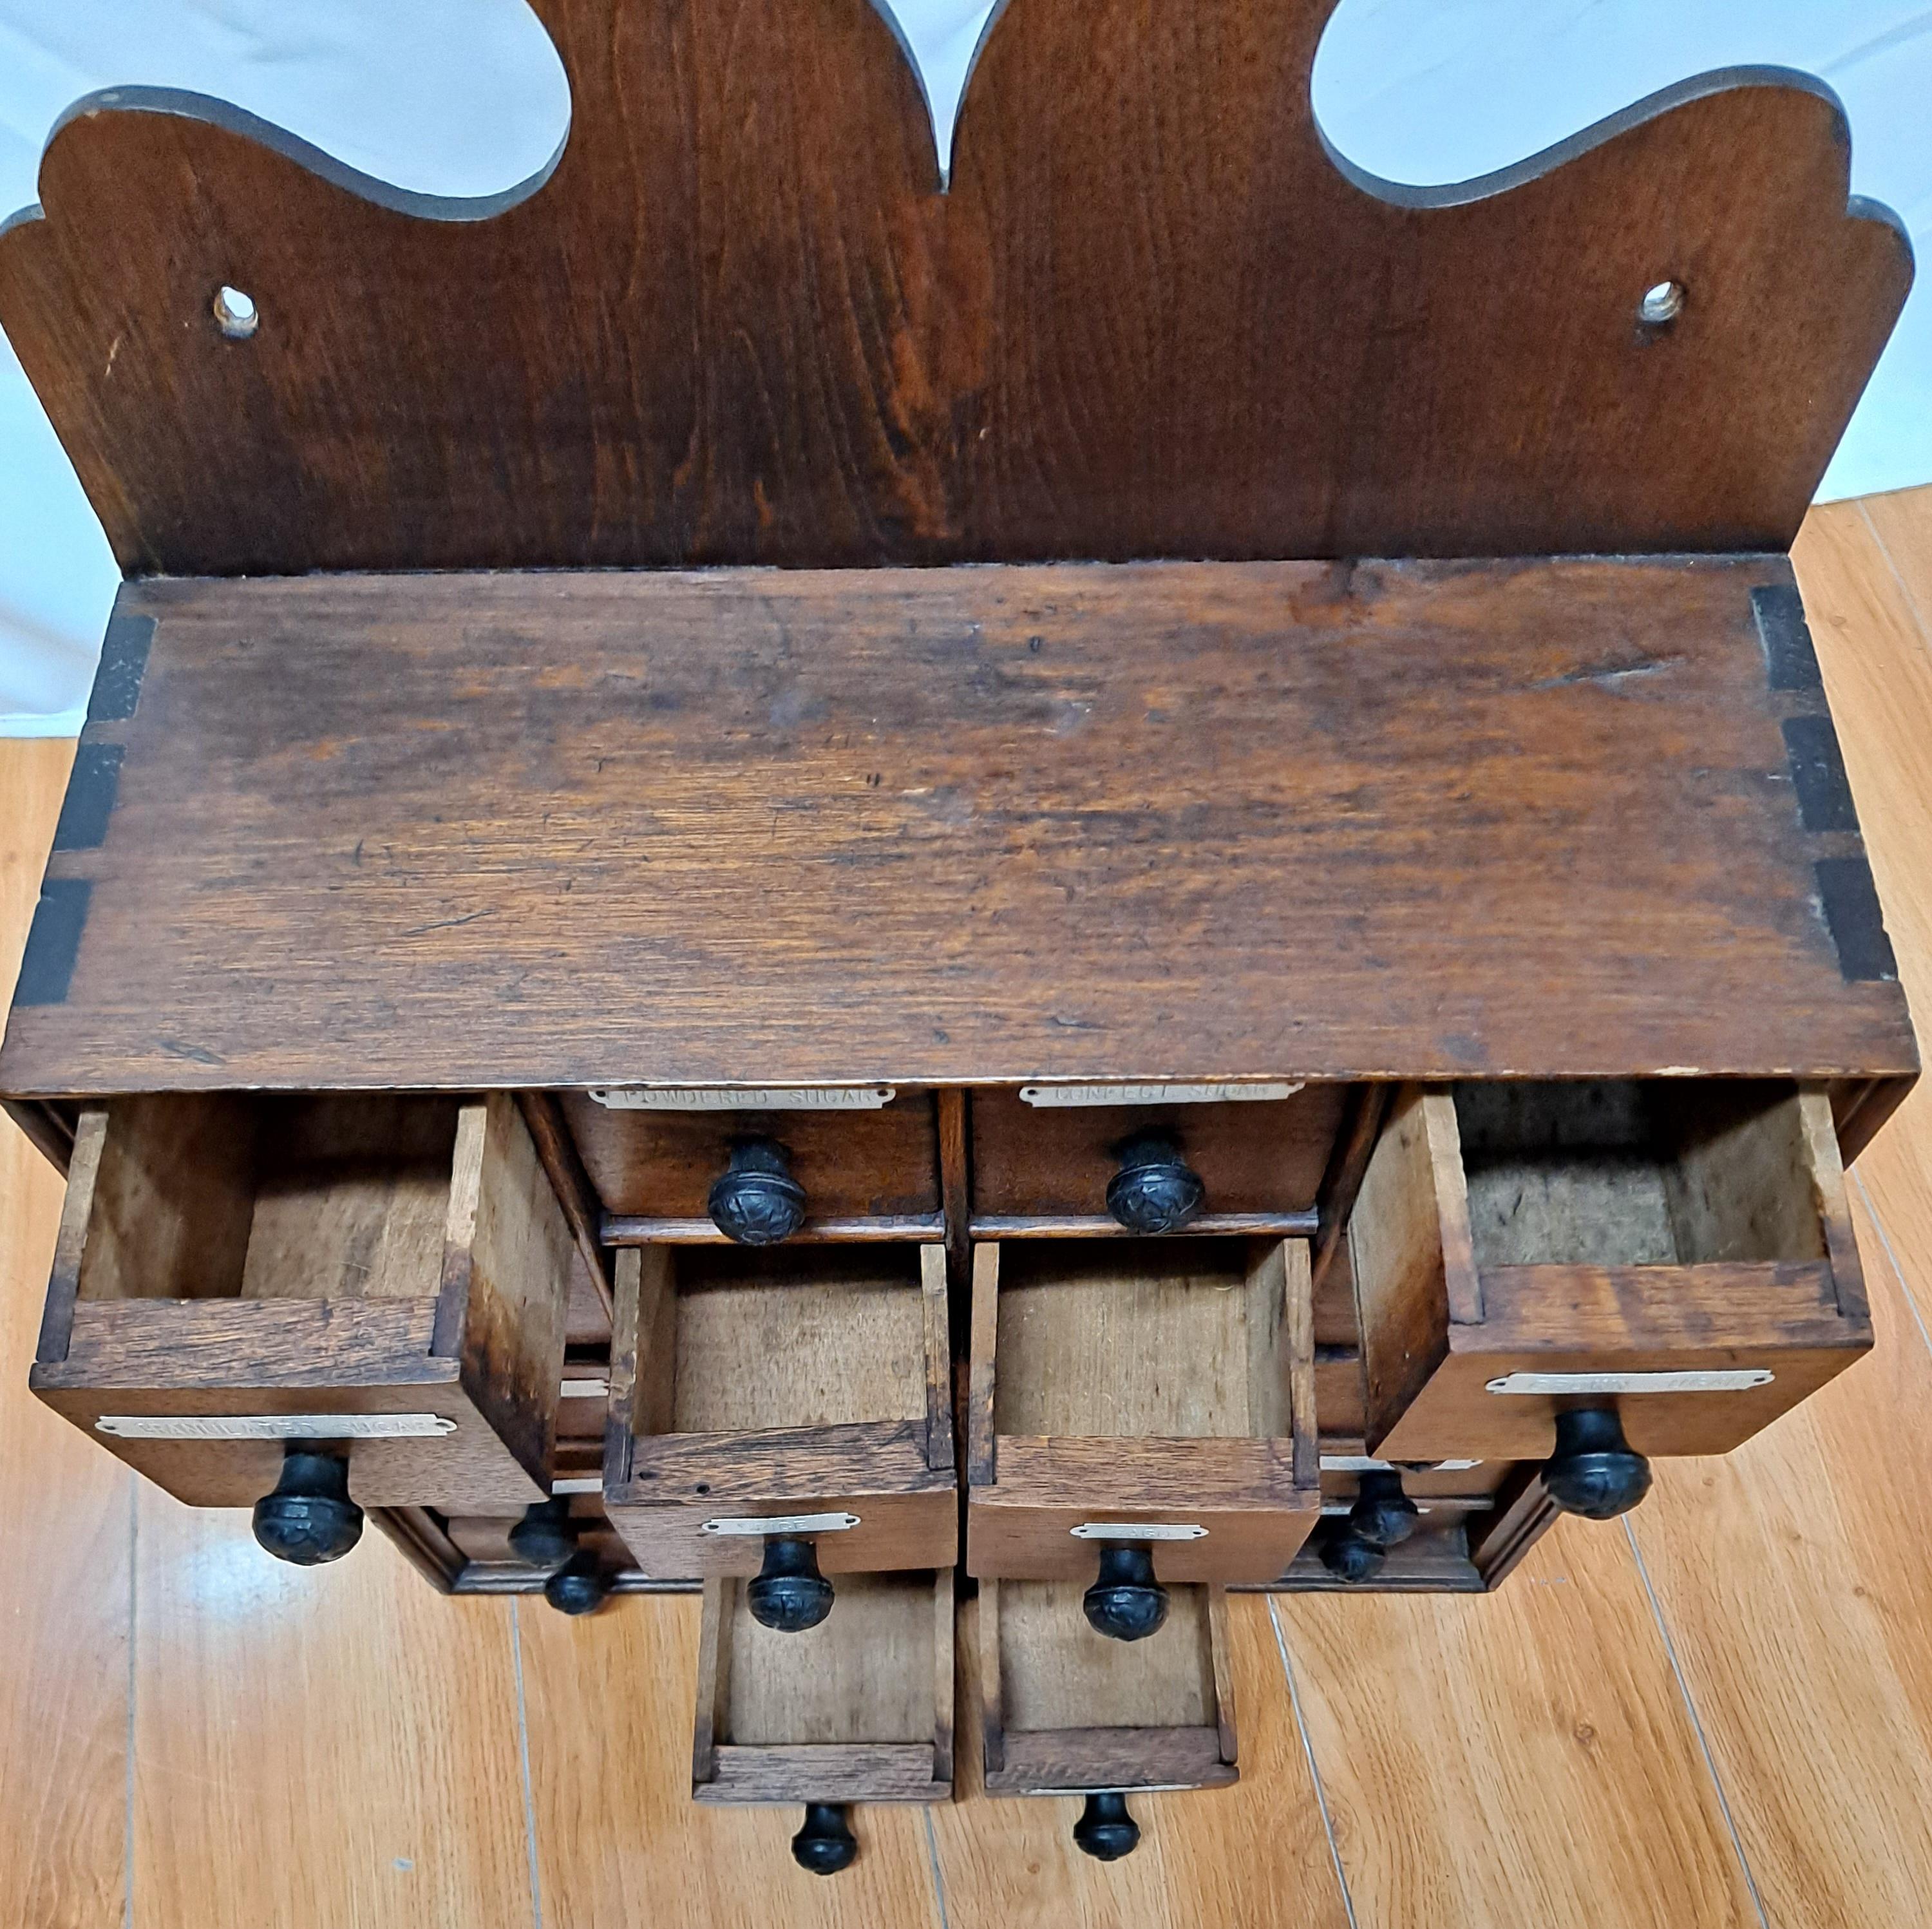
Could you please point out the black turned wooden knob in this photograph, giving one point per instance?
(789, 1594)
(578, 1587)
(825, 1844)
(1125, 1603)
(755, 1200)
(309, 1518)
(1349, 1557)
(1156, 1190)
(546, 1536)
(1383, 1515)
(1105, 1831)
(1593, 1471)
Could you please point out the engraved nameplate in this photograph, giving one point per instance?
(1150, 1095)
(274, 1426)
(782, 1523)
(1360, 1463)
(745, 1098)
(1685, 1380)
(1136, 1530)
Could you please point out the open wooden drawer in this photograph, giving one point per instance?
(1676, 1253)
(388, 1276)
(795, 1392)
(857, 1709)
(1142, 1392)
(1065, 1711)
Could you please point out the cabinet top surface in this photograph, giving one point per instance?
(998, 824)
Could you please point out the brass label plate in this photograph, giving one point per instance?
(274, 1426)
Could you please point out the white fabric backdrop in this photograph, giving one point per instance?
(466, 96)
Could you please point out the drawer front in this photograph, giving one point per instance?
(1065, 1710)
(852, 1165)
(1254, 1156)
(1029, 1540)
(851, 1533)
(1626, 1339)
(388, 1276)
(859, 1708)
(1677, 1254)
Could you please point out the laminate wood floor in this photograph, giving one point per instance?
(1718, 1712)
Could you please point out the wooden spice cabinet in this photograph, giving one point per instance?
(1265, 918)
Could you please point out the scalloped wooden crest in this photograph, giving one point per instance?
(737, 320)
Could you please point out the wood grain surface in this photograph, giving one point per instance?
(1155, 316)
(1271, 820)
(331, 1746)
(1520, 1758)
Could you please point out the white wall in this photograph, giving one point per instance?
(466, 97)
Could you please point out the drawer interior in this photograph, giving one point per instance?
(395, 1269)
(731, 1339)
(1055, 1672)
(864, 1674)
(1658, 1172)
(1064, 1707)
(1148, 1339)
(333, 1197)
(857, 1709)
(1676, 1251)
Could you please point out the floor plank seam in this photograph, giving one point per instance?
(1892, 1259)
(133, 1677)
(524, 1752)
(1920, 621)
(1696, 1724)
(1314, 1769)
(932, 1859)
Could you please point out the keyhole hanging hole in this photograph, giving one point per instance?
(236, 313)
(1662, 301)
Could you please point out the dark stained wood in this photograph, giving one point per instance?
(1367, 1106)
(1435, 1560)
(660, 1164)
(1154, 316)
(1523, 1514)
(1253, 1155)
(1210, 340)
(45, 1129)
(951, 1112)
(1270, 820)
(555, 1147)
